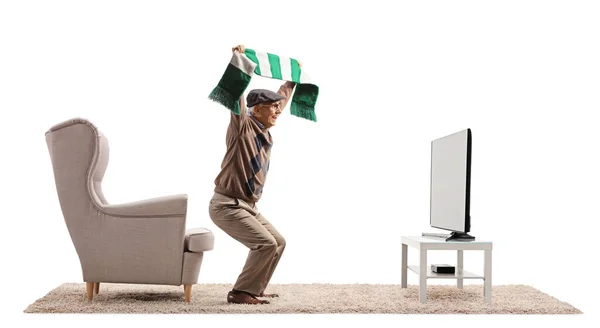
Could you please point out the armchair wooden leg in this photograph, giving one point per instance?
(96, 288)
(188, 292)
(89, 286)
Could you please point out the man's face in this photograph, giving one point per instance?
(267, 113)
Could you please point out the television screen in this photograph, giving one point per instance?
(450, 182)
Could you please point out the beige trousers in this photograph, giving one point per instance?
(243, 222)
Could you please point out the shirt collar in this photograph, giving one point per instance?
(260, 125)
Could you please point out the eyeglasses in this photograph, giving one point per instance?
(273, 106)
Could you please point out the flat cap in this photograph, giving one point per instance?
(259, 96)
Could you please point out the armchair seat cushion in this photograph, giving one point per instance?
(199, 240)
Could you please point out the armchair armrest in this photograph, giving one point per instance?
(175, 205)
(139, 242)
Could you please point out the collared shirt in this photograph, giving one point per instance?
(246, 162)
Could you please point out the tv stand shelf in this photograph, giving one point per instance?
(459, 274)
(424, 244)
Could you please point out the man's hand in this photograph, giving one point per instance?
(299, 64)
(240, 48)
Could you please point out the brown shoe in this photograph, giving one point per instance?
(268, 295)
(244, 298)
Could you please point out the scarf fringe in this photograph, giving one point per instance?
(225, 98)
(303, 111)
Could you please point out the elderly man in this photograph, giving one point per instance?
(239, 186)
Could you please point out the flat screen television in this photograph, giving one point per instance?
(450, 186)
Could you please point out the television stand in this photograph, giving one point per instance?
(456, 236)
(423, 245)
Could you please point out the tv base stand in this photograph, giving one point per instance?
(456, 236)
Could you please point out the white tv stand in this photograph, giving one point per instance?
(424, 244)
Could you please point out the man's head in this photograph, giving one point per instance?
(266, 106)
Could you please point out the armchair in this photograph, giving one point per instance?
(143, 242)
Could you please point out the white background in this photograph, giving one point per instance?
(523, 75)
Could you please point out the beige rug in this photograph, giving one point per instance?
(302, 298)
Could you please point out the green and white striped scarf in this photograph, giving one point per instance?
(242, 67)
